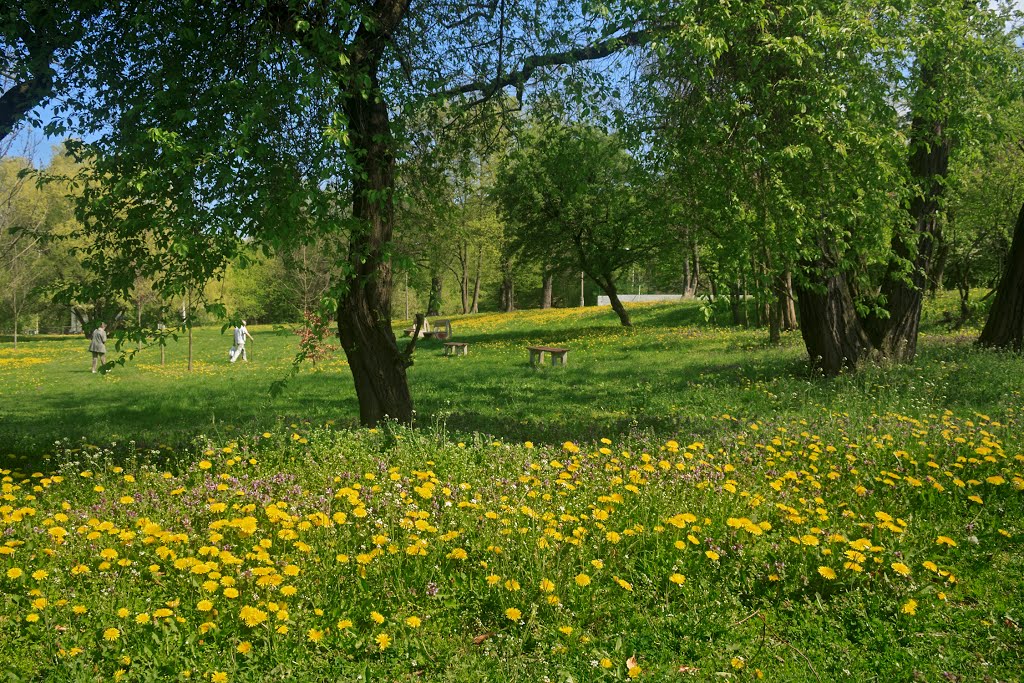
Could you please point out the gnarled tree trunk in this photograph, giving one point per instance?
(436, 294)
(476, 281)
(896, 336)
(831, 329)
(787, 302)
(364, 313)
(1005, 325)
(548, 288)
(607, 284)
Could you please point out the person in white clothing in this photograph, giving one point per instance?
(239, 348)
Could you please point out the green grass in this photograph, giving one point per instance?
(676, 417)
(666, 377)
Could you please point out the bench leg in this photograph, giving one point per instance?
(563, 358)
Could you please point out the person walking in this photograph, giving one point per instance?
(98, 346)
(241, 332)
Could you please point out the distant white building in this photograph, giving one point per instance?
(642, 298)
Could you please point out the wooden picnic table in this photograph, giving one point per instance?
(557, 354)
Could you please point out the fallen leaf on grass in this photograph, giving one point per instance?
(482, 637)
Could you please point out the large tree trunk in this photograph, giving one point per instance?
(548, 288)
(464, 276)
(830, 326)
(23, 96)
(436, 294)
(896, 336)
(691, 271)
(507, 294)
(1005, 326)
(476, 281)
(364, 312)
(737, 303)
(607, 283)
(787, 302)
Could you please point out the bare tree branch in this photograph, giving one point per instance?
(520, 77)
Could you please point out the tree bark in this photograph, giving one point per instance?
(507, 294)
(1005, 325)
(22, 97)
(738, 305)
(364, 312)
(691, 271)
(476, 283)
(546, 294)
(607, 283)
(436, 294)
(787, 302)
(464, 276)
(831, 329)
(777, 309)
(896, 336)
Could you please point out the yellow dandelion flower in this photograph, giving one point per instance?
(377, 617)
(910, 607)
(513, 614)
(827, 573)
(383, 641)
(582, 580)
(111, 634)
(900, 568)
(413, 622)
(314, 635)
(219, 677)
(244, 647)
(677, 579)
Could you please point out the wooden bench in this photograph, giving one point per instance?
(557, 354)
(456, 348)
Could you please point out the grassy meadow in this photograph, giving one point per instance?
(682, 502)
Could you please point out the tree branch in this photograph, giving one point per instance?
(520, 77)
(411, 346)
(22, 97)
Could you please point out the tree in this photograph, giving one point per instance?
(214, 121)
(1005, 325)
(792, 150)
(574, 197)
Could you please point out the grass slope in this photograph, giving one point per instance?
(717, 513)
(667, 376)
